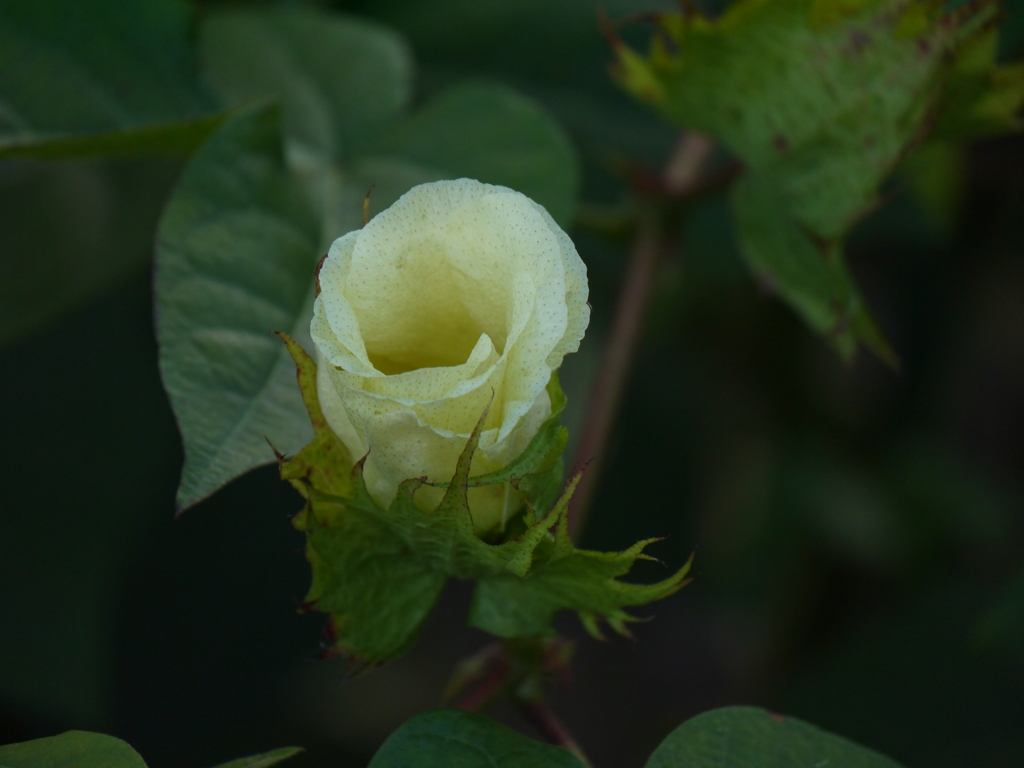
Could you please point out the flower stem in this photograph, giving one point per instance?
(681, 176)
(606, 391)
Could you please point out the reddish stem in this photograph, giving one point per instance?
(681, 176)
(606, 391)
(493, 684)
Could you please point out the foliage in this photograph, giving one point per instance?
(821, 101)
(247, 199)
(462, 740)
(81, 749)
(733, 737)
(289, 117)
(100, 78)
(747, 737)
(378, 573)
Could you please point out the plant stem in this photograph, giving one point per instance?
(489, 688)
(681, 175)
(539, 715)
(606, 391)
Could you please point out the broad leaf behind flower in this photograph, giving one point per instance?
(378, 573)
(102, 78)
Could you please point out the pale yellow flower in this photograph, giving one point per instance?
(458, 295)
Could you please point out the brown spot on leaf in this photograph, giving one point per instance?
(859, 40)
(780, 142)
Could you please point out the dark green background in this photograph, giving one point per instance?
(858, 531)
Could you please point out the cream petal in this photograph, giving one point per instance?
(460, 295)
(409, 289)
(426, 384)
(335, 328)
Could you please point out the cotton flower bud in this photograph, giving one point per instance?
(460, 297)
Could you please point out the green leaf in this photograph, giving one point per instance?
(179, 138)
(235, 254)
(982, 98)
(378, 574)
(457, 739)
(483, 131)
(747, 737)
(810, 274)
(820, 100)
(264, 760)
(1001, 626)
(564, 577)
(82, 749)
(74, 749)
(490, 133)
(936, 175)
(339, 79)
(90, 75)
(343, 86)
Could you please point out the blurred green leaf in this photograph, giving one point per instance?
(71, 231)
(113, 78)
(824, 97)
(95, 72)
(82, 749)
(820, 100)
(551, 51)
(482, 131)
(456, 134)
(1011, 37)
(74, 749)
(981, 98)
(235, 254)
(810, 274)
(936, 175)
(457, 739)
(264, 760)
(913, 683)
(1001, 627)
(747, 737)
(339, 78)
(179, 138)
(343, 86)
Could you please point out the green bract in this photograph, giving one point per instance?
(378, 572)
(821, 100)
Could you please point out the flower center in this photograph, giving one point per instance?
(437, 304)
